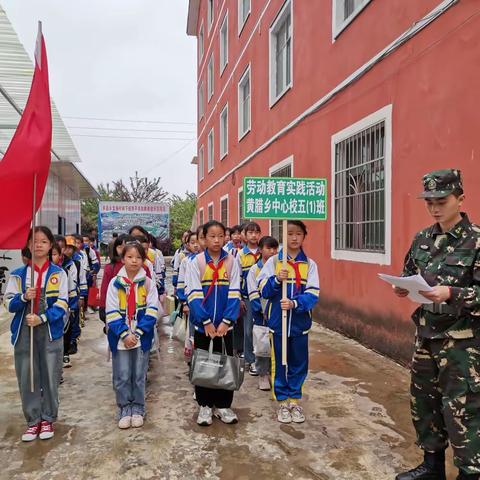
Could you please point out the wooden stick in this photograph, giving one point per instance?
(32, 278)
(284, 294)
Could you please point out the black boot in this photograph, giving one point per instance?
(432, 468)
(468, 476)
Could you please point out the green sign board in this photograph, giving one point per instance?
(285, 198)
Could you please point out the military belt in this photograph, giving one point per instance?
(440, 308)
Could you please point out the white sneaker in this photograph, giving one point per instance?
(125, 422)
(137, 421)
(226, 415)
(264, 383)
(283, 414)
(204, 416)
(253, 370)
(297, 413)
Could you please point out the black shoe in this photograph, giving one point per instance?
(468, 476)
(73, 348)
(423, 472)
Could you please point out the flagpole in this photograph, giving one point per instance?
(32, 279)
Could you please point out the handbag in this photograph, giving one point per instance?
(216, 370)
(179, 331)
(93, 297)
(261, 341)
(174, 315)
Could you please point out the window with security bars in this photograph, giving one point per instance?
(241, 218)
(210, 212)
(224, 211)
(276, 226)
(359, 199)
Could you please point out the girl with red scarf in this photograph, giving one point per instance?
(131, 313)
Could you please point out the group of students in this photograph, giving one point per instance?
(230, 280)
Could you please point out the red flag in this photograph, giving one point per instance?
(27, 158)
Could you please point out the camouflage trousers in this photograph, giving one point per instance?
(445, 401)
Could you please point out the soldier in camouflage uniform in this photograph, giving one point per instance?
(445, 368)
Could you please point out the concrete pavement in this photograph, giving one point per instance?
(358, 424)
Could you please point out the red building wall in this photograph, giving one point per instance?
(431, 83)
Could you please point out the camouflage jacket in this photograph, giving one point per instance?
(451, 259)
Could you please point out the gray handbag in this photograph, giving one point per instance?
(216, 370)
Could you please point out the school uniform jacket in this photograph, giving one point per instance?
(256, 301)
(55, 283)
(222, 303)
(176, 267)
(73, 288)
(181, 285)
(81, 257)
(145, 317)
(304, 292)
(246, 259)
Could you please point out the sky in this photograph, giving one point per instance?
(120, 60)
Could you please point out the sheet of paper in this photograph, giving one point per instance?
(414, 284)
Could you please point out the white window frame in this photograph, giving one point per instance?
(289, 161)
(385, 115)
(287, 9)
(201, 43)
(201, 101)
(337, 29)
(201, 163)
(202, 221)
(213, 212)
(241, 133)
(224, 148)
(239, 191)
(241, 23)
(223, 48)
(210, 77)
(210, 14)
(211, 158)
(225, 197)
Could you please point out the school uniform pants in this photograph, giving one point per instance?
(129, 374)
(288, 379)
(210, 397)
(248, 332)
(75, 322)
(42, 403)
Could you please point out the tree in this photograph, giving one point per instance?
(139, 189)
(182, 210)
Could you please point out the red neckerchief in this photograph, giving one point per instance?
(215, 269)
(298, 276)
(256, 256)
(38, 284)
(131, 300)
(147, 270)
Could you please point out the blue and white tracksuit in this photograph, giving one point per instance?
(303, 290)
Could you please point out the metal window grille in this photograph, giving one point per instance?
(276, 226)
(224, 211)
(245, 104)
(360, 191)
(283, 55)
(210, 151)
(210, 212)
(241, 218)
(348, 8)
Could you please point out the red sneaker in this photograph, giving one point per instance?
(46, 430)
(31, 433)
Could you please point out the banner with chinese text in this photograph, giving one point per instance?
(285, 198)
(119, 217)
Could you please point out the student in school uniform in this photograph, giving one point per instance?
(132, 309)
(213, 280)
(247, 257)
(302, 280)
(268, 247)
(50, 305)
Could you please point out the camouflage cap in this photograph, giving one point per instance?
(441, 183)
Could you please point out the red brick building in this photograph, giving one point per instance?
(368, 94)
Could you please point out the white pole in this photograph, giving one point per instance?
(32, 278)
(284, 294)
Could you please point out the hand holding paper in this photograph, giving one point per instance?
(414, 284)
